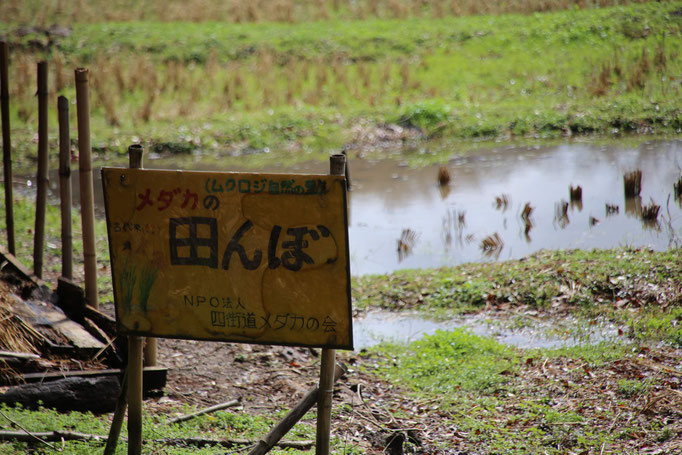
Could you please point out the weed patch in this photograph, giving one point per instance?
(448, 361)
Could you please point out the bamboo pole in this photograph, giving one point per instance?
(337, 166)
(134, 395)
(65, 186)
(135, 361)
(324, 402)
(6, 144)
(86, 189)
(135, 161)
(117, 420)
(41, 177)
(287, 423)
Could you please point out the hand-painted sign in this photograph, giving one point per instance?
(253, 258)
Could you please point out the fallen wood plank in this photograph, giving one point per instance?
(53, 317)
(13, 264)
(153, 378)
(71, 299)
(94, 394)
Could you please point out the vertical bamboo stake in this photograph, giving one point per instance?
(6, 144)
(135, 153)
(41, 177)
(86, 190)
(337, 166)
(134, 395)
(117, 420)
(65, 186)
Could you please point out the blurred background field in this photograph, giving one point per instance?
(306, 78)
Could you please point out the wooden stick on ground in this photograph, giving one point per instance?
(6, 144)
(218, 407)
(228, 443)
(55, 436)
(270, 440)
(41, 177)
(86, 190)
(25, 433)
(65, 186)
(44, 437)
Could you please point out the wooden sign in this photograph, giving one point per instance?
(252, 258)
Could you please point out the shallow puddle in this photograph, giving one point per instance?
(522, 331)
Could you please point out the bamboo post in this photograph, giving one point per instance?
(86, 189)
(6, 144)
(65, 186)
(41, 177)
(117, 420)
(287, 423)
(135, 155)
(337, 166)
(134, 395)
(348, 185)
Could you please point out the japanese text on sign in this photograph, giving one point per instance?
(259, 258)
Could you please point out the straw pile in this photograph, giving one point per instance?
(15, 334)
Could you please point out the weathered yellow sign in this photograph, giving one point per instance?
(253, 258)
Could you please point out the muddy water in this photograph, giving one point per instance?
(449, 224)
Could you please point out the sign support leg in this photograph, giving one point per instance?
(337, 166)
(135, 161)
(135, 395)
(324, 402)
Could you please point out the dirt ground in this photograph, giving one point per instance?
(270, 378)
(378, 417)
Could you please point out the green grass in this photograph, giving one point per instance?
(24, 225)
(446, 362)
(589, 284)
(216, 90)
(506, 401)
(155, 428)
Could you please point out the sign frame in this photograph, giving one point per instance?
(342, 271)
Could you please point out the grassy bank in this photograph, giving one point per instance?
(298, 90)
(639, 289)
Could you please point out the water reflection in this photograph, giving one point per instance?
(404, 327)
(496, 189)
(502, 203)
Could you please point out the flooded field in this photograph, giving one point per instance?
(487, 195)
(400, 217)
(499, 204)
